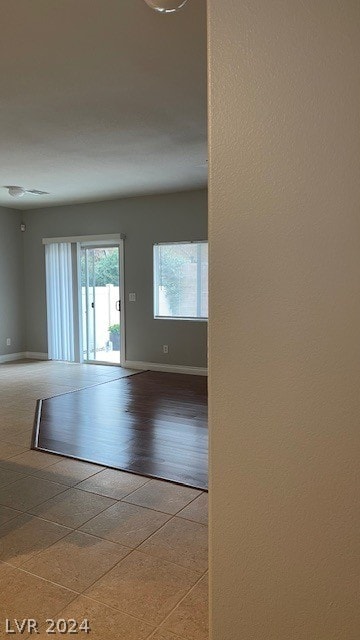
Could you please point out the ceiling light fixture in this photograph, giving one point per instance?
(166, 6)
(18, 192)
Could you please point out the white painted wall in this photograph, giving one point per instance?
(285, 318)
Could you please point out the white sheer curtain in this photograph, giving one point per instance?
(59, 301)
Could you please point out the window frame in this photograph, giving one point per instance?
(155, 283)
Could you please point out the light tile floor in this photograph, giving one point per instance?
(80, 541)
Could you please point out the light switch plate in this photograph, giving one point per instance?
(132, 297)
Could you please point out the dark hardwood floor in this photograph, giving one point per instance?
(153, 424)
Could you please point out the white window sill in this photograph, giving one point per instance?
(180, 318)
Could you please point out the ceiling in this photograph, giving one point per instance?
(101, 99)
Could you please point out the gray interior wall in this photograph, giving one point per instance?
(145, 220)
(11, 282)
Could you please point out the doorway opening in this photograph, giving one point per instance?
(100, 304)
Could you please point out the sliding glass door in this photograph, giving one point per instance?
(100, 303)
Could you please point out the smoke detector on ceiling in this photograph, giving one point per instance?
(166, 6)
(18, 192)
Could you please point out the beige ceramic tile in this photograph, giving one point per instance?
(30, 460)
(163, 496)
(7, 450)
(24, 536)
(190, 618)
(7, 514)
(126, 524)
(22, 437)
(197, 510)
(163, 634)
(28, 492)
(7, 476)
(145, 587)
(76, 561)
(182, 542)
(114, 484)
(105, 623)
(72, 508)
(26, 596)
(69, 472)
(18, 417)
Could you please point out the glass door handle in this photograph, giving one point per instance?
(118, 305)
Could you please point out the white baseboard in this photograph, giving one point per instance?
(9, 357)
(168, 368)
(129, 364)
(28, 355)
(36, 355)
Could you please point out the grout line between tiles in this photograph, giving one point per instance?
(153, 508)
(34, 575)
(36, 553)
(130, 551)
(162, 527)
(35, 505)
(106, 496)
(78, 528)
(198, 572)
(106, 606)
(108, 570)
(70, 486)
(137, 547)
(152, 635)
(161, 625)
(21, 454)
(21, 567)
(24, 477)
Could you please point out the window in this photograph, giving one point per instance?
(181, 280)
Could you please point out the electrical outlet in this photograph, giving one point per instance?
(165, 348)
(8, 342)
